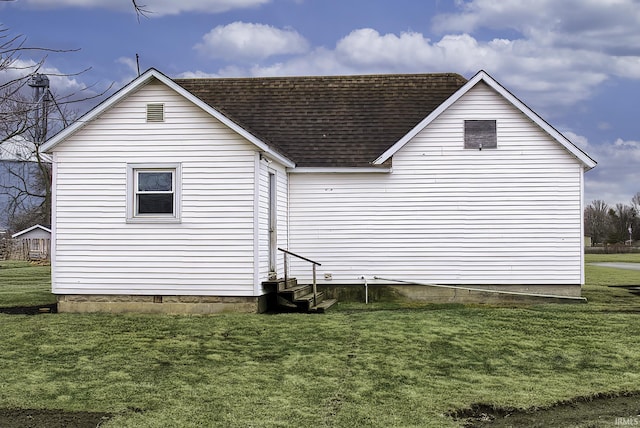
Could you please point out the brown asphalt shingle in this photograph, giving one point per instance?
(328, 121)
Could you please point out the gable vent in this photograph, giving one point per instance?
(155, 112)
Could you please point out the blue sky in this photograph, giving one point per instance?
(575, 62)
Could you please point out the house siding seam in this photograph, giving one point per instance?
(209, 253)
(446, 214)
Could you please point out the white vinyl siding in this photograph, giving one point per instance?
(446, 214)
(209, 253)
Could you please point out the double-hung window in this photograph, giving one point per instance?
(153, 192)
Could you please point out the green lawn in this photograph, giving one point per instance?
(630, 258)
(24, 284)
(377, 365)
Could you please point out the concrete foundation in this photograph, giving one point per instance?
(83, 303)
(386, 292)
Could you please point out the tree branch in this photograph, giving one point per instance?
(141, 10)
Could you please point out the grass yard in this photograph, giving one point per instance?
(378, 365)
(626, 258)
(24, 284)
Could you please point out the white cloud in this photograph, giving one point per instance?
(197, 75)
(129, 63)
(630, 149)
(70, 94)
(578, 24)
(542, 76)
(555, 55)
(173, 7)
(573, 45)
(366, 48)
(616, 178)
(579, 140)
(59, 82)
(246, 41)
(156, 8)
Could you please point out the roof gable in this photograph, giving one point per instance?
(483, 76)
(328, 121)
(143, 80)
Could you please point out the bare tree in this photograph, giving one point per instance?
(29, 113)
(597, 221)
(14, 75)
(635, 203)
(19, 110)
(141, 10)
(25, 172)
(622, 218)
(27, 182)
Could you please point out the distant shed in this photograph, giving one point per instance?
(33, 243)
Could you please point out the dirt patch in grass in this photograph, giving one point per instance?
(25, 418)
(603, 410)
(30, 310)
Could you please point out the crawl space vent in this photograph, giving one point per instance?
(155, 112)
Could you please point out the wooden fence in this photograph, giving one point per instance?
(25, 249)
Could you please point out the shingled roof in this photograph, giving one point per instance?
(328, 121)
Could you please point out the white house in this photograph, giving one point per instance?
(175, 195)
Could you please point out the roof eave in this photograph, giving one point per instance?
(339, 170)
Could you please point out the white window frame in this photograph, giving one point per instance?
(132, 201)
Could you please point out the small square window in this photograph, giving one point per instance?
(480, 134)
(153, 193)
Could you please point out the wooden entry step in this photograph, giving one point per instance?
(299, 297)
